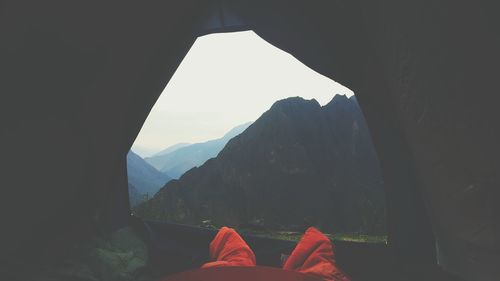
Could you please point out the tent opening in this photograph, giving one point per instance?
(245, 135)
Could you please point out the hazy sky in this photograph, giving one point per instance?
(225, 80)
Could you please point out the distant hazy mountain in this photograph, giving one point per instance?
(299, 162)
(143, 178)
(171, 148)
(178, 161)
(143, 151)
(134, 196)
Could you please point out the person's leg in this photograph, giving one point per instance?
(229, 249)
(314, 255)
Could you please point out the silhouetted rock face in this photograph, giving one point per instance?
(299, 162)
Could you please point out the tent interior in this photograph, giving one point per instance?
(78, 80)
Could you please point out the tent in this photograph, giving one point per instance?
(79, 78)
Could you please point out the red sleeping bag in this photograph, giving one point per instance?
(313, 255)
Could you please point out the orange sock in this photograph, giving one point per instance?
(314, 255)
(229, 249)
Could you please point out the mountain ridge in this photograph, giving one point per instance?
(179, 161)
(299, 161)
(170, 149)
(143, 178)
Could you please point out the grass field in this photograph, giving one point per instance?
(295, 236)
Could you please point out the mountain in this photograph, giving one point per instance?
(143, 151)
(299, 163)
(143, 178)
(172, 148)
(180, 160)
(135, 197)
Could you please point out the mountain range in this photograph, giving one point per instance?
(171, 148)
(143, 179)
(176, 160)
(299, 163)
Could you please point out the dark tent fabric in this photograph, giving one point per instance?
(78, 80)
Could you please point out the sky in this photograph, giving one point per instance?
(225, 80)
